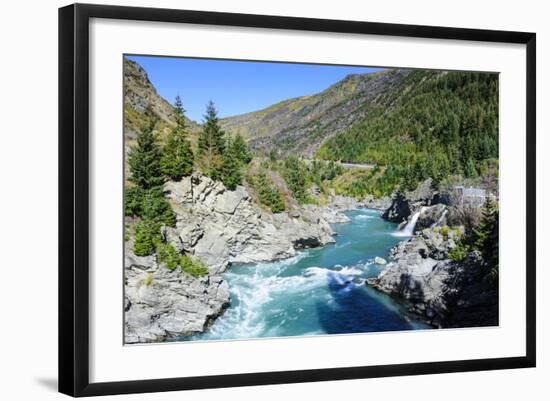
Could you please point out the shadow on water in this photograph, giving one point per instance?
(355, 309)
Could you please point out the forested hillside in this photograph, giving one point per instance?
(434, 124)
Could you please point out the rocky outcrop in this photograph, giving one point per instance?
(426, 206)
(403, 205)
(399, 210)
(222, 227)
(380, 261)
(431, 216)
(342, 203)
(333, 212)
(330, 214)
(383, 203)
(443, 292)
(161, 304)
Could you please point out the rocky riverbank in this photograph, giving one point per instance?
(219, 227)
(445, 291)
(161, 304)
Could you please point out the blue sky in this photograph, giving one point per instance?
(237, 87)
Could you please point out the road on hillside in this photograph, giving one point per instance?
(349, 165)
(354, 165)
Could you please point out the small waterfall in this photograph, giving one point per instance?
(438, 222)
(408, 230)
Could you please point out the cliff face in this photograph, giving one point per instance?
(300, 125)
(221, 226)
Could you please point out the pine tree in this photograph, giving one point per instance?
(241, 149)
(144, 159)
(295, 175)
(486, 234)
(177, 156)
(211, 143)
(179, 113)
(231, 167)
(267, 194)
(272, 155)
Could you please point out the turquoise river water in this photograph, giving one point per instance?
(319, 291)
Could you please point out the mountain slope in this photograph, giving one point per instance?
(434, 124)
(301, 124)
(139, 96)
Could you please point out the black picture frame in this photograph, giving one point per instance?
(74, 198)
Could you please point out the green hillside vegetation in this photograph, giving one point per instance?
(483, 238)
(357, 182)
(298, 176)
(435, 124)
(267, 193)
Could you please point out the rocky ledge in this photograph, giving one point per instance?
(441, 291)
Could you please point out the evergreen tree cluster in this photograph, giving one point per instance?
(321, 171)
(221, 158)
(486, 236)
(152, 164)
(267, 193)
(483, 238)
(144, 159)
(211, 144)
(436, 124)
(177, 156)
(149, 204)
(145, 199)
(296, 174)
(146, 237)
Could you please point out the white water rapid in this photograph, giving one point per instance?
(408, 230)
(438, 222)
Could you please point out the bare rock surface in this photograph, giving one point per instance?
(161, 304)
(383, 203)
